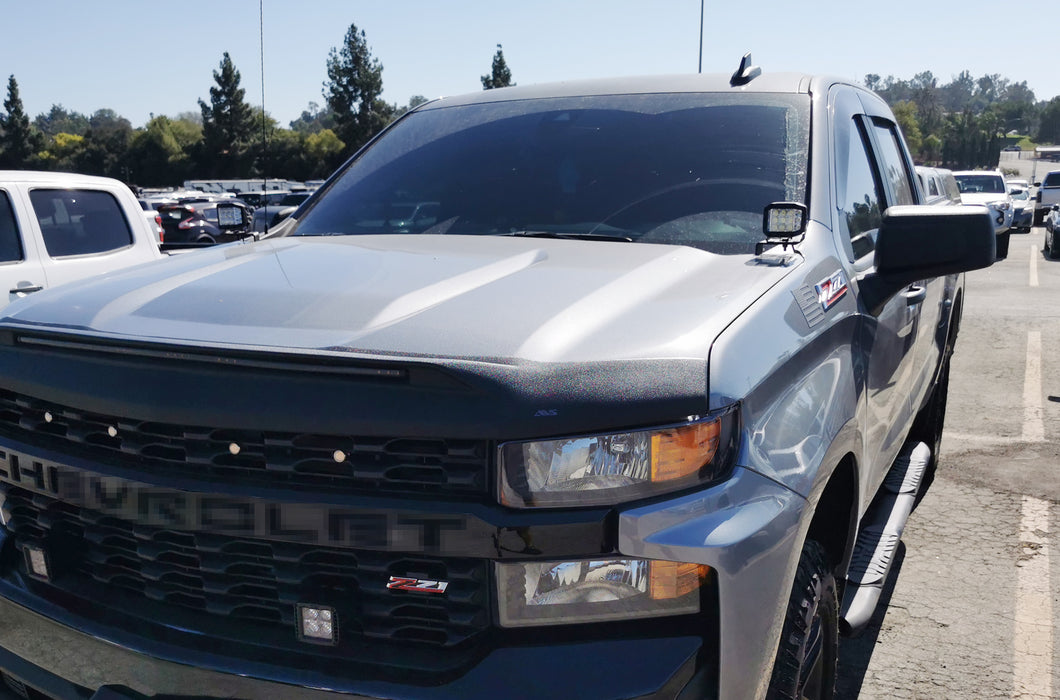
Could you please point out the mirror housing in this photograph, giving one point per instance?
(919, 242)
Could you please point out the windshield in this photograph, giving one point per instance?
(690, 169)
(972, 184)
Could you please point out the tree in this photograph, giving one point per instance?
(157, 156)
(499, 76)
(59, 120)
(355, 82)
(1049, 125)
(324, 150)
(905, 115)
(227, 125)
(313, 119)
(62, 152)
(19, 141)
(106, 146)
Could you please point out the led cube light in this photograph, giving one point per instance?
(317, 624)
(37, 562)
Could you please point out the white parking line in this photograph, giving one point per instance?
(1033, 425)
(1033, 637)
(1034, 266)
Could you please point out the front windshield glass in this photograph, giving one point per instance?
(976, 184)
(689, 169)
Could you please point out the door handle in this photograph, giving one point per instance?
(914, 295)
(27, 289)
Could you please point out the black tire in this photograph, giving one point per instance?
(808, 654)
(1002, 246)
(1053, 252)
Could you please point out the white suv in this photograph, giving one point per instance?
(988, 187)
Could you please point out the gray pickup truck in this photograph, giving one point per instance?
(638, 411)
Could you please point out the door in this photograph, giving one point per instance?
(21, 272)
(886, 344)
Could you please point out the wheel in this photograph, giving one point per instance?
(808, 655)
(1053, 252)
(205, 238)
(1002, 246)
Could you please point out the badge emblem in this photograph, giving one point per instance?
(416, 585)
(831, 290)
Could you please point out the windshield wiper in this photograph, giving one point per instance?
(568, 235)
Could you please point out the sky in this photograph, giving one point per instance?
(142, 58)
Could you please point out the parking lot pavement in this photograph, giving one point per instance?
(972, 609)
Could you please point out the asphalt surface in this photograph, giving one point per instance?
(973, 603)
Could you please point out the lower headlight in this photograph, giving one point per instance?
(599, 590)
(616, 467)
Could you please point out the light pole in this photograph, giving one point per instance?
(701, 35)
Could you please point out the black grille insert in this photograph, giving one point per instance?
(440, 467)
(206, 578)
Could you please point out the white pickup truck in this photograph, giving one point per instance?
(61, 227)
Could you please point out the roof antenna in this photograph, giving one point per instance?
(264, 131)
(745, 73)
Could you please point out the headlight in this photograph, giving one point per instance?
(557, 593)
(1003, 206)
(609, 469)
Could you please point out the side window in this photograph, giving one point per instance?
(933, 187)
(10, 240)
(80, 222)
(892, 164)
(859, 210)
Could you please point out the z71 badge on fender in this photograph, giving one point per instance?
(831, 290)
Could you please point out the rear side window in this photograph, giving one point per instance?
(10, 240)
(893, 165)
(1051, 180)
(932, 187)
(80, 222)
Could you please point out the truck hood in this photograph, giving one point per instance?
(467, 297)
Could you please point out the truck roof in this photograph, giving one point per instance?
(53, 178)
(791, 83)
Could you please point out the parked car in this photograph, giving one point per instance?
(62, 227)
(987, 187)
(257, 199)
(1052, 229)
(154, 220)
(1022, 207)
(1048, 195)
(268, 215)
(605, 389)
(938, 185)
(196, 222)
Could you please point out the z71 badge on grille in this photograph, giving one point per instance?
(416, 585)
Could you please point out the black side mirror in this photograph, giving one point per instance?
(917, 242)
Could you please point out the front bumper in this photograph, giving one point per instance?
(63, 662)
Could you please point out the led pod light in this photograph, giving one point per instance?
(610, 469)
